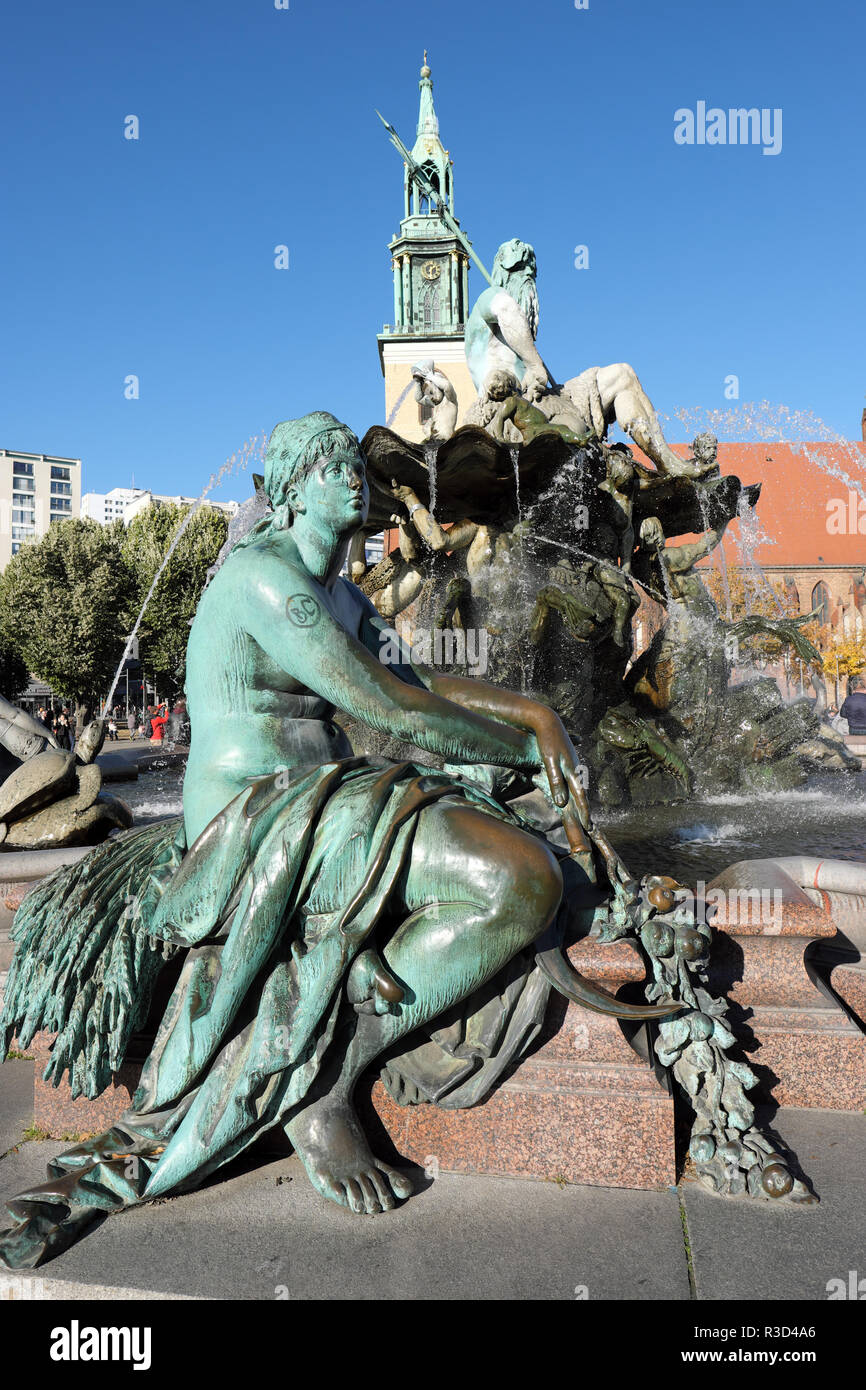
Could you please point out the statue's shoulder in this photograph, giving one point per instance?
(260, 572)
(482, 308)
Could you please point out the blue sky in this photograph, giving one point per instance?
(257, 127)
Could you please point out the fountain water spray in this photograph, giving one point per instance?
(252, 451)
(399, 401)
(431, 450)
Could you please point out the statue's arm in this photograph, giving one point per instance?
(682, 557)
(20, 733)
(506, 314)
(357, 558)
(460, 535)
(506, 411)
(403, 589)
(285, 615)
(490, 700)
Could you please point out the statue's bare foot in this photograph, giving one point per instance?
(331, 1145)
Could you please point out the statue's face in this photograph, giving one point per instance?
(336, 491)
(516, 255)
(621, 474)
(500, 386)
(705, 447)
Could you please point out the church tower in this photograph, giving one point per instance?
(431, 283)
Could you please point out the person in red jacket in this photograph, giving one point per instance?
(158, 722)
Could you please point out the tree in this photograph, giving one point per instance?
(844, 657)
(14, 673)
(62, 601)
(164, 629)
(748, 596)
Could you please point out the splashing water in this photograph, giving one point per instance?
(399, 401)
(515, 464)
(752, 535)
(760, 421)
(527, 656)
(718, 560)
(722, 562)
(431, 451)
(763, 422)
(804, 432)
(252, 451)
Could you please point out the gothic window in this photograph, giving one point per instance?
(426, 204)
(821, 600)
(431, 309)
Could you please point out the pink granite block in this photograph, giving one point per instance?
(54, 1110)
(14, 894)
(545, 1127)
(815, 1055)
(849, 982)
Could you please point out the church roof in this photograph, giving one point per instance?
(810, 511)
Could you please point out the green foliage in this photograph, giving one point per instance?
(69, 600)
(164, 630)
(62, 603)
(13, 670)
(843, 656)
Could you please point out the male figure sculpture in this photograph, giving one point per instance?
(501, 333)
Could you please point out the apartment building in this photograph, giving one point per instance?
(35, 489)
(124, 503)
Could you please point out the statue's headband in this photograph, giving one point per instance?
(291, 440)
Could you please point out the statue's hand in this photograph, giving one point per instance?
(403, 493)
(534, 384)
(560, 764)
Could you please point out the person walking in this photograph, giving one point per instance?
(130, 723)
(854, 707)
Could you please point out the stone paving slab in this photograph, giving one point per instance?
(32, 1284)
(16, 1101)
(262, 1229)
(742, 1250)
(253, 1236)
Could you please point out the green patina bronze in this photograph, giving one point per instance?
(324, 910)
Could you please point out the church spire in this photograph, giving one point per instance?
(431, 268)
(427, 120)
(428, 149)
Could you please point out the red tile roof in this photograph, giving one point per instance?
(809, 516)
